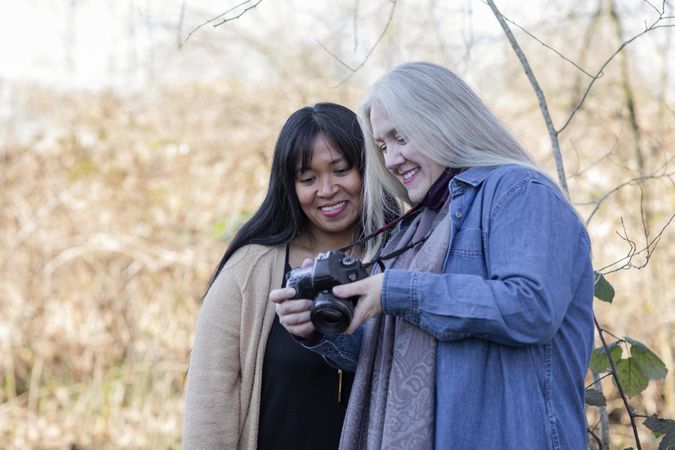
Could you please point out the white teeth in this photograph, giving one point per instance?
(410, 174)
(334, 207)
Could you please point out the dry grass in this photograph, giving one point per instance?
(111, 210)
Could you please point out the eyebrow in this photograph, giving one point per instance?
(302, 169)
(391, 132)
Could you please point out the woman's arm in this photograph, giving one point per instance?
(212, 400)
(537, 250)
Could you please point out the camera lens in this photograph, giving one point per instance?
(348, 261)
(331, 315)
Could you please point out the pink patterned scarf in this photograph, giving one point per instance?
(392, 400)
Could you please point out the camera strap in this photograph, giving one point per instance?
(379, 260)
(380, 230)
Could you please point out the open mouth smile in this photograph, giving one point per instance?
(333, 210)
(409, 175)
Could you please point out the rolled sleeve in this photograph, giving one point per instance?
(401, 294)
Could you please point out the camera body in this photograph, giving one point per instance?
(330, 315)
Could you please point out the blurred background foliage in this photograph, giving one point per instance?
(130, 155)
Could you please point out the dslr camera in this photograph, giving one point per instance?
(330, 315)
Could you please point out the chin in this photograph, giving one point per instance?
(415, 198)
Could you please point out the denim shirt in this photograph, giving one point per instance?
(512, 313)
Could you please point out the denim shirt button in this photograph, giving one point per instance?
(458, 214)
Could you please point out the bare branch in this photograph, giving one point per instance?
(553, 134)
(222, 19)
(355, 22)
(179, 27)
(658, 11)
(580, 171)
(648, 249)
(655, 25)
(632, 181)
(595, 437)
(549, 47)
(337, 58)
(240, 14)
(619, 385)
(370, 52)
(598, 380)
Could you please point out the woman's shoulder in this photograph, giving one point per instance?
(249, 261)
(512, 181)
(253, 257)
(514, 172)
(511, 177)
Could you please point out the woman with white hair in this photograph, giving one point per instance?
(479, 335)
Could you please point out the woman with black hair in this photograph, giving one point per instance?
(249, 384)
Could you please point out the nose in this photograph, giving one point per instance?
(393, 157)
(327, 187)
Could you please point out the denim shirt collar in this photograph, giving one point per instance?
(473, 176)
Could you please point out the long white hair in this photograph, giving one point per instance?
(442, 116)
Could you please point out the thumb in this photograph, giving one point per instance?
(307, 262)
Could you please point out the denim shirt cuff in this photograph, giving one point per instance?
(324, 346)
(336, 350)
(399, 292)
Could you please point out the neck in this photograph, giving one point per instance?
(313, 241)
(320, 241)
(438, 193)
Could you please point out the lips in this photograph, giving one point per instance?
(334, 209)
(409, 175)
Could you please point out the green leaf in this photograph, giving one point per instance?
(648, 363)
(631, 378)
(603, 290)
(594, 397)
(599, 360)
(662, 426)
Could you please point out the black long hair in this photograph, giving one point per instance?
(280, 219)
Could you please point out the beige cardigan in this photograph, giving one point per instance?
(222, 400)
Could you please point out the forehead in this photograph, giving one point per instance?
(380, 122)
(322, 152)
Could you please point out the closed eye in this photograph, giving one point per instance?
(343, 171)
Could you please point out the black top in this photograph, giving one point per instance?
(299, 406)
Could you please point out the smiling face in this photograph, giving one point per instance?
(329, 193)
(410, 166)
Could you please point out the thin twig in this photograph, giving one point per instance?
(356, 25)
(632, 181)
(660, 12)
(179, 27)
(224, 21)
(601, 71)
(597, 439)
(631, 413)
(548, 47)
(337, 58)
(649, 248)
(220, 16)
(370, 52)
(598, 380)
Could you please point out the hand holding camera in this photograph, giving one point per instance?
(329, 314)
